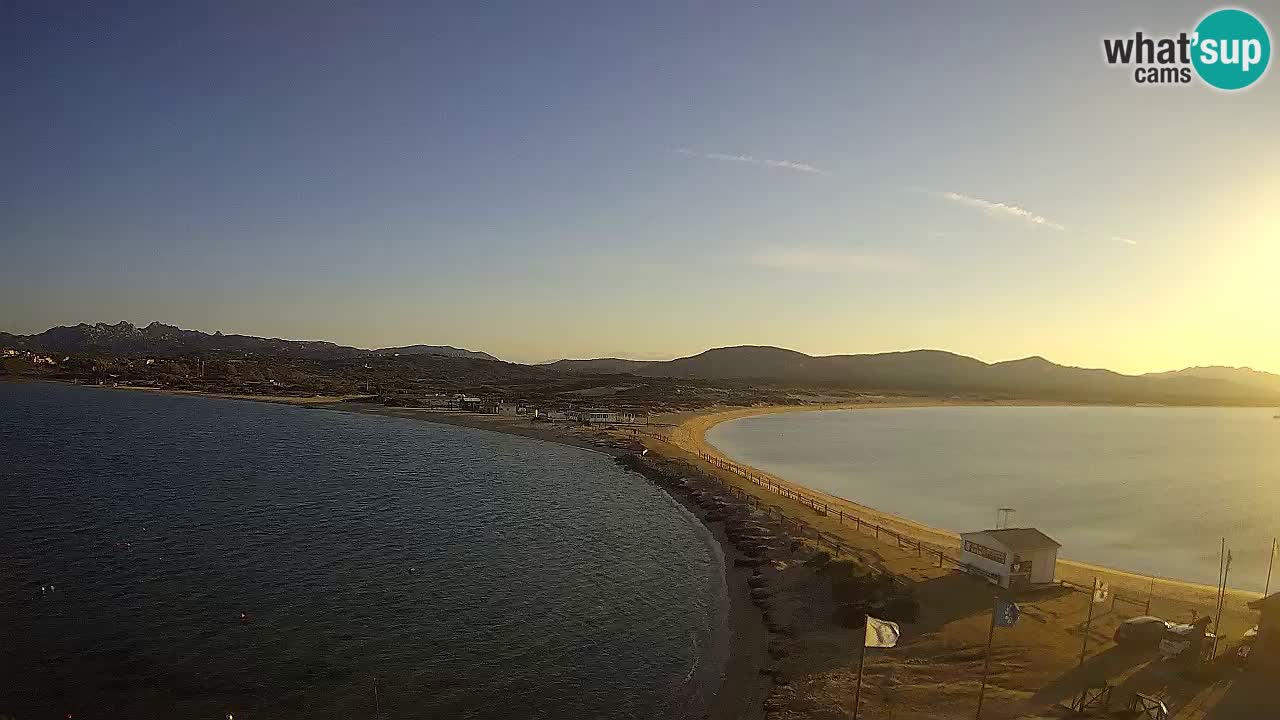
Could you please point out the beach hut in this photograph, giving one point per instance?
(1011, 557)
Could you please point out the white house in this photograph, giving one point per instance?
(1011, 557)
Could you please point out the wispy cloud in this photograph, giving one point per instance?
(1124, 240)
(999, 208)
(827, 260)
(752, 160)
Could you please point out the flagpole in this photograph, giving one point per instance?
(1084, 644)
(857, 694)
(986, 665)
(1270, 562)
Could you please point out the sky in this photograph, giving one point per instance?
(646, 180)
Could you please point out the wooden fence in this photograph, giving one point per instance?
(1115, 597)
(824, 508)
(905, 542)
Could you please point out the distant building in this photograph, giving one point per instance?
(442, 402)
(600, 415)
(1011, 557)
(43, 360)
(9, 352)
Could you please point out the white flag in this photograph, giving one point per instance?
(881, 633)
(1100, 592)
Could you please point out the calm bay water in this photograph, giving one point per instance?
(459, 573)
(1150, 490)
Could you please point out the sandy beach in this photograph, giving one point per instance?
(1036, 665)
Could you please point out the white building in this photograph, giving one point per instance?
(600, 415)
(1011, 557)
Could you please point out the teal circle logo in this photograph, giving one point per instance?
(1231, 49)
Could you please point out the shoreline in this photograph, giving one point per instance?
(690, 435)
(789, 603)
(1064, 645)
(688, 432)
(742, 687)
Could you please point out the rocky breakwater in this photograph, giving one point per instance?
(804, 588)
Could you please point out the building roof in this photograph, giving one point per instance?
(1270, 602)
(1021, 539)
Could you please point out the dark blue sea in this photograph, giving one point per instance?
(384, 568)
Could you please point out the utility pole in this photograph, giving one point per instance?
(1270, 561)
(1222, 595)
(1093, 597)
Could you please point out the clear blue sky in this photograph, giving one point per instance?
(542, 180)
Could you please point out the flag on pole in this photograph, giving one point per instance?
(1101, 591)
(881, 633)
(1007, 613)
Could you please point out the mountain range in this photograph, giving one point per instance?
(167, 340)
(933, 372)
(1244, 376)
(939, 372)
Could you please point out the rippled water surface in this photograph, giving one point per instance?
(381, 564)
(1146, 489)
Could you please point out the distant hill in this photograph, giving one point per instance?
(1240, 376)
(445, 350)
(167, 340)
(939, 372)
(601, 366)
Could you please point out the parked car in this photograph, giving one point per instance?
(1145, 631)
(1187, 641)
